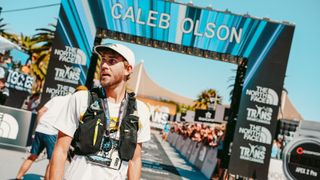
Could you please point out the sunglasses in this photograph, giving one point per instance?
(110, 60)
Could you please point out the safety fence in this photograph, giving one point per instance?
(198, 154)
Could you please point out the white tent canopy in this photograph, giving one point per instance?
(5, 44)
(144, 86)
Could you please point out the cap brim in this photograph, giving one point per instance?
(100, 48)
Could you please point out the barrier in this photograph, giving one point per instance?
(195, 152)
(201, 156)
(190, 149)
(170, 137)
(210, 162)
(176, 139)
(180, 143)
(16, 127)
(185, 147)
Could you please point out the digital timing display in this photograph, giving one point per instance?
(303, 161)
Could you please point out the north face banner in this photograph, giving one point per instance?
(257, 117)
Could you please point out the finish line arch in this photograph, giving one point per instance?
(259, 46)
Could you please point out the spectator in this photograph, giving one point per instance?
(165, 131)
(4, 91)
(45, 135)
(31, 102)
(277, 148)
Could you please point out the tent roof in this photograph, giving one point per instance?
(5, 44)
(287, 110)
(146, 87)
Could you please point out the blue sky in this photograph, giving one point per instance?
(188, 75)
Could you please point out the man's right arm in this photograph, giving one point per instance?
(59, 156)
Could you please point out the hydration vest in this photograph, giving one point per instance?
(92, 127)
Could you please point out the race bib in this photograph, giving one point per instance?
(108, 156)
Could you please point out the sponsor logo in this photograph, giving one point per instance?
(159, 115)
(71, 55)
(263, 95)
(254, 153)
(208, 115)
(300, 150)
(261, 114)
(9, 126)
(256, 133)
(19, 81)
(68, 74)
(60, 90)
(205, 116)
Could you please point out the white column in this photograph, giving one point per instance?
(138, 78)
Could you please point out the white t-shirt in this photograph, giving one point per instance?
(68, 123)
(47, 120)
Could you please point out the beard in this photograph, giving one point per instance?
(111, 81)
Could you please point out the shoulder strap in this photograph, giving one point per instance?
(132, 103)
(92, 97)
(96, 93)
(99, 91)
(89, 98)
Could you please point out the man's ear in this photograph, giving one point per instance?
(129, 69)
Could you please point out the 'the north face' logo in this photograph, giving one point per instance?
(263, 95)
(256, 133)
(8, 126)
(71, 55)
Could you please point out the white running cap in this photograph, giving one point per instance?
(124, 51)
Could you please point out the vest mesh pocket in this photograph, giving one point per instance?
(128, 137)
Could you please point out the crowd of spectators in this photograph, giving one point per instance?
(210, 135)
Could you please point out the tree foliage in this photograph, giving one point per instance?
(207, 97)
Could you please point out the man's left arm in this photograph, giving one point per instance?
(41, 112)
(134, 168)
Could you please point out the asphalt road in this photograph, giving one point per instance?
(160, 161)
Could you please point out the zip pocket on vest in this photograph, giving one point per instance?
(96, 131)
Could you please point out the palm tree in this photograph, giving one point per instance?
(2, 26)
(39, 48)
(182, 108)
(29, 44)
(3, 29)
(207, 97)
(44, 38)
